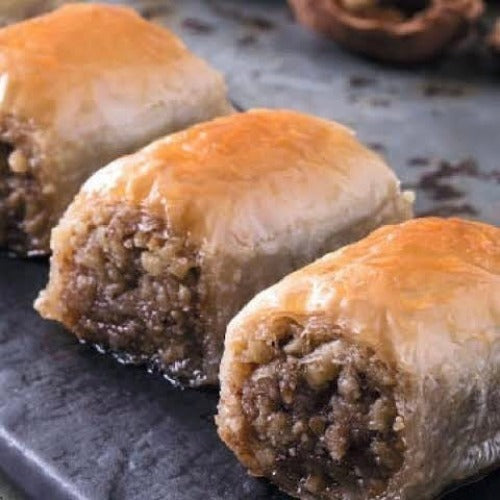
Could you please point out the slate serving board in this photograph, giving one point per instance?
(77, 425)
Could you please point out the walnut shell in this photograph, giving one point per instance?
(385, 33)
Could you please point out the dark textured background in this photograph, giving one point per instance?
(75, 424)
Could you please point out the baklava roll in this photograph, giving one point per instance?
(79, 87)
(160, 249)
(374, 371)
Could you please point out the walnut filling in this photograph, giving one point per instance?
(386, 10)
(134, 289)
(323, 419)
(22, 216)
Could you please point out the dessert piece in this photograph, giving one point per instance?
(78, 88)
(394, 30)
(161, 248)
(374, 371)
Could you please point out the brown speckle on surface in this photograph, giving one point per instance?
(419, 161)
(379, 102)
(449, 210)
(372, 101)
(246, 40)
(439, 89)
(197, 25)
(235, 14)
(377, 146)
(237, 106)
(360, 81)
(469, 168)
(434, 184)
(440, 191)
(260, 23)
(156, 10)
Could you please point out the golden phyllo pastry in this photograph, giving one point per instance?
(374, 371)
(78, 88)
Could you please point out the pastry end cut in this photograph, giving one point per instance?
(25, 214)
(313, 411)
(130, 287)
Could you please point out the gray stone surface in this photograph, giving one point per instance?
(73, 423)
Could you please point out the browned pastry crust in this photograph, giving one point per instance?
(374, 371)
(160, 249)
(78, 88)
(385, 31)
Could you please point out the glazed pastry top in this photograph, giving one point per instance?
(250, 179)
(58, 69)
(417, 293)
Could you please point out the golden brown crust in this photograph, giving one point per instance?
(420, 37)
(425, 297)
(423, 269)
(80, 48)
(197, 177)
(94, 82)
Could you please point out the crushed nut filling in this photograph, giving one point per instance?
(324, 417)
(22, 215)
(134, 289)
